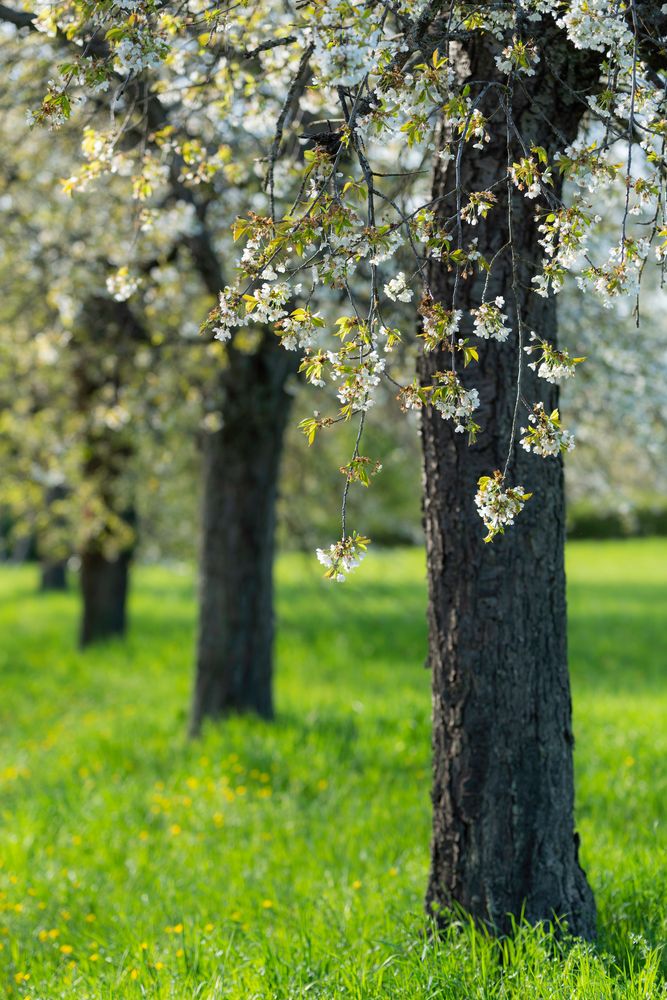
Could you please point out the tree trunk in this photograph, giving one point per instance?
(104, 586)
(53, 562)
(503, 842)
(53, 576)
(107, 331)
(240, 469)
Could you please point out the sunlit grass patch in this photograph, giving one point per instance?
(289, 860)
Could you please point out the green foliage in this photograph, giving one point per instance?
(647, 517)
(289, 860)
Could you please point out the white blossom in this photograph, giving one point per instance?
(490, 323)
(552, 365)
(343, 556)
(498, 504)
(122, 284)
(544, 436)
(397, 290)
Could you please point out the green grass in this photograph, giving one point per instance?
(289, 860)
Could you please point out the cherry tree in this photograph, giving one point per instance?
(67, 438)
(506, 101)
(174, 219)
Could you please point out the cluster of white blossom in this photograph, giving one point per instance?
(544, 436)
(498, 504)
(148, 181)
(595, 25)
(48, 20)
(397, 290)
(384, 246)
(564, 235)
(349, 248)
(56, 120)
(552, 365)
(479, 205)
(661, 248)
(343, 556)
(526, 176)
(298, 331)
(585, 164)
(98, 146)
(267, 303)
(454, 402)
(253, 250)
(140, 52)
(518, 57)
(438, 324)
(227, 315)
(490, 323)
(391, 337)
(356, 390)
(404, 97)
(122, 284)
(343, 54)
(620, 275)
(114, 418)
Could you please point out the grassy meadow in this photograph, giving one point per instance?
(289, 860)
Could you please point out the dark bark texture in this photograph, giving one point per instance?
(503, 842)
(106, 339)
(104, 588)
(240, 469)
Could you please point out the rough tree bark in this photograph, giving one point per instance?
(240, 470)
(104, 589)
(503, 842)
(106, 338)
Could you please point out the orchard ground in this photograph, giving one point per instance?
(289, 860)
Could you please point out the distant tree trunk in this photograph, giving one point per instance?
(240, 471)
(503, 795)
(107, 330)
(53, 570)
(53, 576)
(104, 587)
